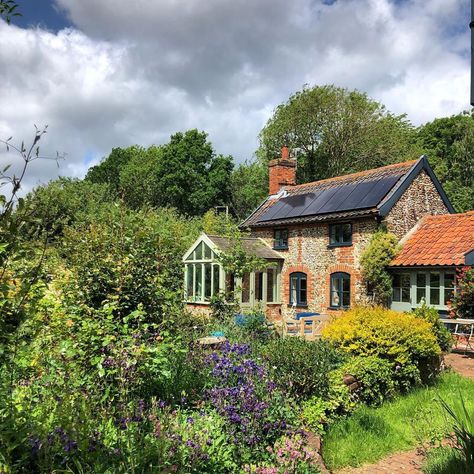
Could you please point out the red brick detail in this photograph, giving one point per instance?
(281, 172)
(285, 282)
(355, 277)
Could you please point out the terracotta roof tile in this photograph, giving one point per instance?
(439, 240)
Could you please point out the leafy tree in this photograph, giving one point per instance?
(139, 176)
(108, 171)
(190, 176)
(64, 202)
(449, 144)
(129, 258)
(248, 187)
(334, 131)
(184, 174)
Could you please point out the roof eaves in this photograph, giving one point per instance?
(394, 195)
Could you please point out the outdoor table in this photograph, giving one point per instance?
(463, 331)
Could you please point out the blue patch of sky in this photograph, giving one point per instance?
(42, 13)
(89, 157)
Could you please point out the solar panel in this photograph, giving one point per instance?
(378, 192)
(345, 197)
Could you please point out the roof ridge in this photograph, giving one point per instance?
(356, 174)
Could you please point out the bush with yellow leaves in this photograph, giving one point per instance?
(408, 342)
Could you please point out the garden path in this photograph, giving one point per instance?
(463, 364)
(409, 462)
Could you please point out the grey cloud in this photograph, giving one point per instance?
(135, 74)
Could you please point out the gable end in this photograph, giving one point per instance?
(395, 194)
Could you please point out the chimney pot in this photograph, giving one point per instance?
(285, 153)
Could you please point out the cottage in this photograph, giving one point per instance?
(425, 268)
(313, 236)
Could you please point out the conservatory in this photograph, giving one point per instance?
(205, 277)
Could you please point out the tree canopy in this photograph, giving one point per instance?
(185, 174)
(449, 144)
(334, 131)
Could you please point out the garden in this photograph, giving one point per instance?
(101, 369)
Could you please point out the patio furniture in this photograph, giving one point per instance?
(463, 332)
(307, 327)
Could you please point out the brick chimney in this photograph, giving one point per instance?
(281, 172)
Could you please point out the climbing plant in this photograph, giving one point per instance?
(379, 253)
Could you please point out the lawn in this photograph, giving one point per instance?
(401, 424)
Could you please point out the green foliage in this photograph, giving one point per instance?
(462, 304)
(334, 131)
(128, 257)
(62, 203)
(379, 253)
(184, 174)
(443, 336)
(338, 402)
(449, 145)
(372, 433)
(108, 171)
(8, 10)
(444, 460)
(302, 367)
(403, 339)
(238, 260)
(462, 418)
(375, 375)
(249, 187)
(219, 224)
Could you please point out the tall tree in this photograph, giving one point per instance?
(108, 170)
(190, 176)
(248, 187)
(334, 131)
(449, 144)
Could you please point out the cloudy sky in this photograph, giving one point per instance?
(106, 73)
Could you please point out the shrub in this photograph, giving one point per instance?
(404, 340)
(375, 376)
(443, 336)
(379, 253)
(338, 401)
(302, 367)
(462, 304)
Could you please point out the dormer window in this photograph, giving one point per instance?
(280, 239)
(340, 234)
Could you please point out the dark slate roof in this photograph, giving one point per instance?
(371, 192)
(251, 245)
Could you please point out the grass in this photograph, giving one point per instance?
(402, 424)
(444, 460)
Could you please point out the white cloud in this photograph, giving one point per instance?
(128, 75)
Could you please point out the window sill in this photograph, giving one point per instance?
(338, 308)
(198, 302)
(331, 246)
(280, 248)
(298, 306)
